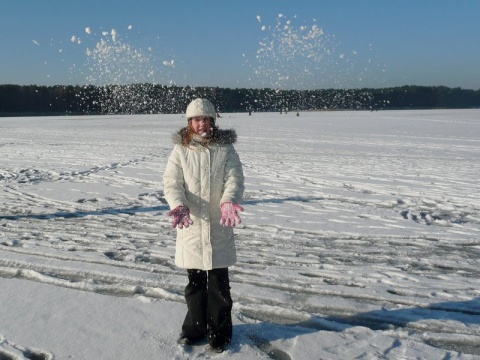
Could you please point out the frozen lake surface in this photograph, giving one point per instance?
(360, 237)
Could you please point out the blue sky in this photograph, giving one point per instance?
(247, 43)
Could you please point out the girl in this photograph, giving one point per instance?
(203, 185)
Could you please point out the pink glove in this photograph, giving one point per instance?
(181, 217)
(230, 214)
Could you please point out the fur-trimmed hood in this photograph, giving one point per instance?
(219, 137)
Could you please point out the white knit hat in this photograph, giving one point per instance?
(201, 107)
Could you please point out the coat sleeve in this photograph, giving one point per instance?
(233, 178)
(173, 180)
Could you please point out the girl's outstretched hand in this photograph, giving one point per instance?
(181, 217)
(230, 214)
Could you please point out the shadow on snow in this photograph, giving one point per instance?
(264, 333)
(78, 214)
(137, 209)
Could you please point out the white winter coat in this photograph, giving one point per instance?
(202, 178)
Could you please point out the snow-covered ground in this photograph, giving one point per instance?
(360, 237)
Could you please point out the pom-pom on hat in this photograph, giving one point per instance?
(201, 107)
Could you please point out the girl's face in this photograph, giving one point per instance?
(202, 125)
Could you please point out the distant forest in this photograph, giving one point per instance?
(32, 100)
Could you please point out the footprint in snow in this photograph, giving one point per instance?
(12, 351)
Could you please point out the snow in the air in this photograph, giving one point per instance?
(360, 237)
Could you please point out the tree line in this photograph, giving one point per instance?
(18, 100)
